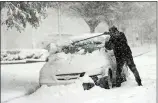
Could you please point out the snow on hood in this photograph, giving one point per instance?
(62, 63)
(92, 63)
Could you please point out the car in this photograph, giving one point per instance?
(74, 61)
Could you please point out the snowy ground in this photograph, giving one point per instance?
(20, 79)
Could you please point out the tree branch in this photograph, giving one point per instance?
(19, 9)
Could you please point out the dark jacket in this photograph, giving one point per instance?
(118, 43)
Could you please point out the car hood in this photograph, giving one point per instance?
(91, 63)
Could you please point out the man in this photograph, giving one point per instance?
(118, 43)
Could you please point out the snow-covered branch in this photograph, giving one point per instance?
(17, 9)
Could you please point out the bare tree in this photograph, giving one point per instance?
(92, 12)
(147, 13)
(137, 16)
(123, 12)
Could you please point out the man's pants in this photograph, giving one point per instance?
(130, 63)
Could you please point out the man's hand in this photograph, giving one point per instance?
(106, 50)
(106, 33)
(107, 38)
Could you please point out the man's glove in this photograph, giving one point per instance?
(106, 33)
(106, 50)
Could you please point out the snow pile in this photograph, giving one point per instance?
(86, 79)
(19, 79)
(24, 54)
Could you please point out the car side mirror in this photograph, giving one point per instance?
(82, 74)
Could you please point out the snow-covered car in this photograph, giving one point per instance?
(74, 61)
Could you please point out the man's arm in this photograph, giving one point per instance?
(109, 45)
(122, 37)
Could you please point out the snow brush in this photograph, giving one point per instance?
(105, 33)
